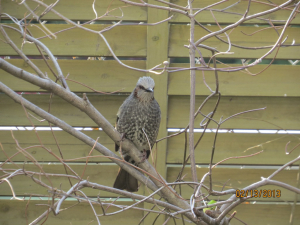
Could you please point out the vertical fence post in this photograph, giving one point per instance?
(157, 52)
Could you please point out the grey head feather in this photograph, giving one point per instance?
(146, 82)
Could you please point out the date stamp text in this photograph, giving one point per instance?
(263, 193)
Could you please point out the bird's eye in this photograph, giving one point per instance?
(141, 87)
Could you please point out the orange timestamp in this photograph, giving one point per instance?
(264, 193)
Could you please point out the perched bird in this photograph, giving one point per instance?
(138, 115)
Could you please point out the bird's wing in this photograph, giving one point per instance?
(117, 146)
(157, 123)
(118, 117)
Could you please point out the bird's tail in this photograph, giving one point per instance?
(126, 181)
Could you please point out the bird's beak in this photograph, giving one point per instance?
(149, 90)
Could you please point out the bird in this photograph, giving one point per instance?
(138, 120)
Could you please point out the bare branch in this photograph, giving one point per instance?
(28, 61)
(241, 21)
(44, 47)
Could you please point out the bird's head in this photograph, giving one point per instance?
(144, 89)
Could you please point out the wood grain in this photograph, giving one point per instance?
(281, 112)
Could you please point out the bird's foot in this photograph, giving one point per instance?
(123, 136)
(144, 156)
(117, 146)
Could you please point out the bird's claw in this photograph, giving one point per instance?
(143, 156)
(123, 135)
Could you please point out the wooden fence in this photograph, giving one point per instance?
(277, 88)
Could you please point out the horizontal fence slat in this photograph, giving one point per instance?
(124, 40)
(97, 173)
(179, 36)
(228, 145)
(109, 76)
(281, 112)
(131, 41)
(81, 214)
(13, 114)
(275, 81)
(232, 144)
(221, 17)
(105, 175)
(80, 10)
(83, 10)
(71, 147)
(18, 212)
(15, 213)
(236, 179)
(264, 214)
(105, 76)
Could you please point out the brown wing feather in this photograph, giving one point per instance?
(116, 146)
